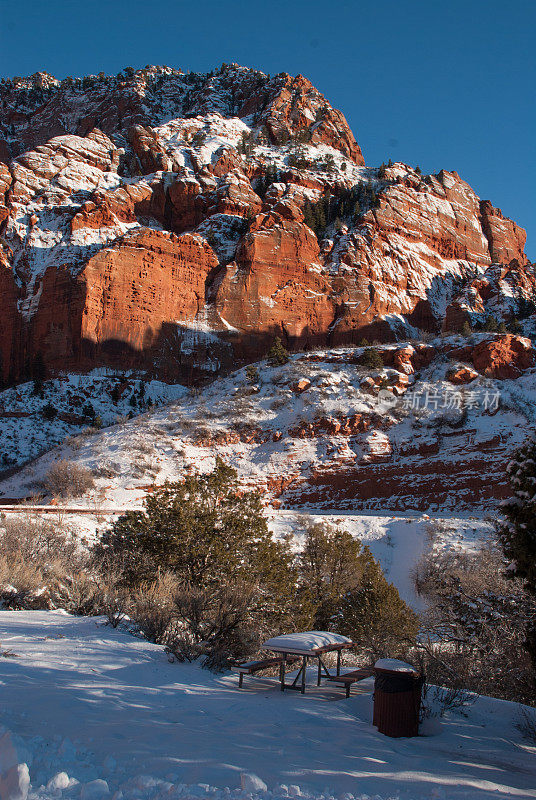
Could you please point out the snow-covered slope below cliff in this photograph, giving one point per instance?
(318, 433)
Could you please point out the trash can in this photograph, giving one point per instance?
(397, 697)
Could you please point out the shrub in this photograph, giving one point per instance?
(39, 562)
(68, 479)
(252, 373)
(49, 411)
(371, 359)
(277, 355)
(214, 625)
(473, 632)
(151, 607)
(345, 590)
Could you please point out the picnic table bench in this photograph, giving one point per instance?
(307, 645)
(251, 667)
(347, 678)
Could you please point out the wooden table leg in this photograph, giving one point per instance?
(304, 670)
(282, 672)
(319, 671)
(338, 662)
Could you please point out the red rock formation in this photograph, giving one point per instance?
(10, 319)
(290, 111)
(340, 426)
(462, 375)
(79, 220)
(504, 357)
(148, 279)
(506, 240)
(273, 286)
(5, 183)
(409, 359)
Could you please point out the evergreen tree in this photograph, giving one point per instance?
(89, 411)
(115, 394)
(526, 308)
(371, 359)
(329, 566)
(517, 529)
(374, 615)
(466, 328)
(49, 411)
(207, 532)
(345, 590)
(252, 373)
(277, 354)
(309, 216)
(39, 373)
(491, 324)
(321, 222)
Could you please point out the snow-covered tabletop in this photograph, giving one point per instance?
(306, 642)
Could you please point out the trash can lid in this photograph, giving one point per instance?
(394, 665)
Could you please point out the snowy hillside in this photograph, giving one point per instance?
(31, 423)
(119, 708)
(319, 433)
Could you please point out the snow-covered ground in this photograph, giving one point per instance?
(101, 706)
(26, 430)
(261, 430)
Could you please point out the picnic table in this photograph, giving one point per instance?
(307, 645)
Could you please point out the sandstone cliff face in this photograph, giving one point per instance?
(147, 279)
(273, 284)
(158, 202)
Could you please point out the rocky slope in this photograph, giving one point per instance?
(180, 221)
(430, 430)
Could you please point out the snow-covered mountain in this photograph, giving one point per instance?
(180, 221)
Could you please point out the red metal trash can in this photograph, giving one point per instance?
(397, 698)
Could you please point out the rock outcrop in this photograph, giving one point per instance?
(235, 205)
(506, 357)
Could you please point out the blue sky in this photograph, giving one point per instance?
(439, 84)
